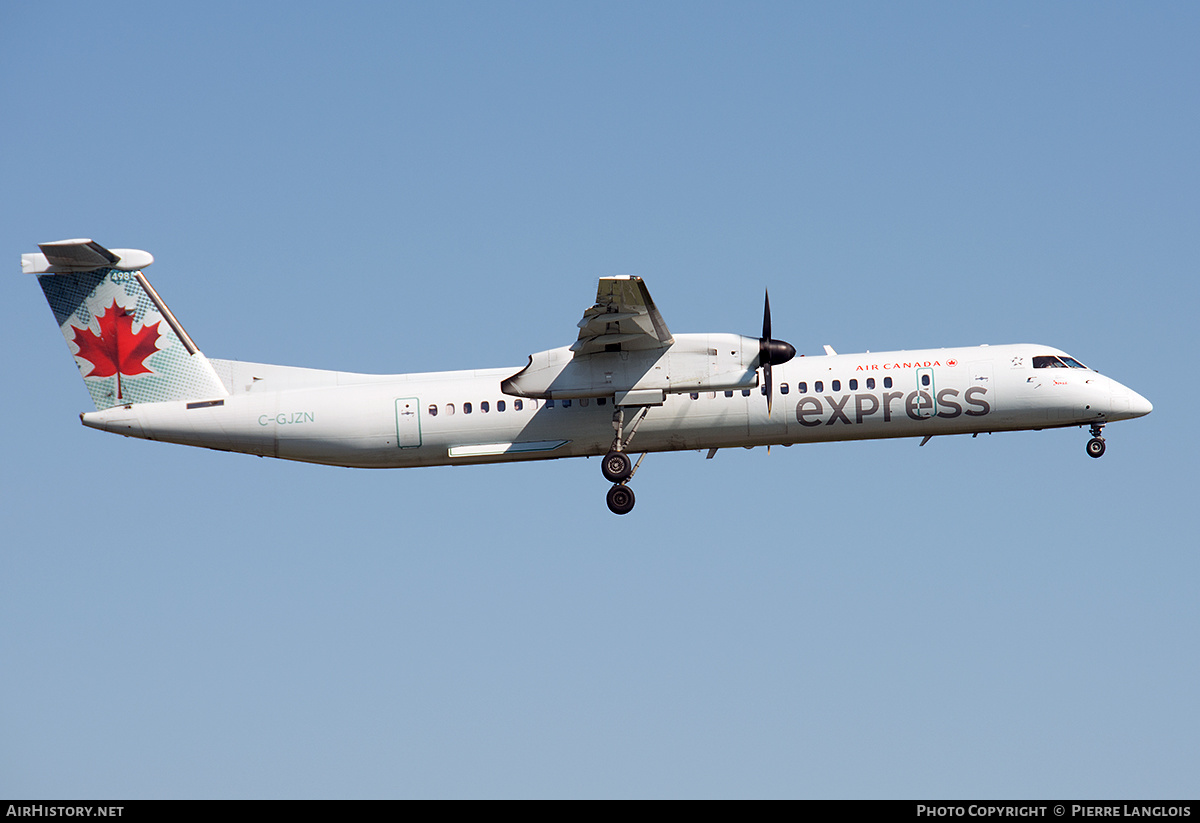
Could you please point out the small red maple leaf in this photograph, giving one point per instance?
(117, 349)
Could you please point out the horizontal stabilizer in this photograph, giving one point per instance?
(82, 255)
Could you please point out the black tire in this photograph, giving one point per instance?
(616, 467)
(620, 499)
(1095, 447)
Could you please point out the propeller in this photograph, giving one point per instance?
(771, 352)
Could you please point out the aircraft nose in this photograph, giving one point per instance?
(1138, 405)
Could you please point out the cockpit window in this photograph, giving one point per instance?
(1073, 363)
(1046, 361)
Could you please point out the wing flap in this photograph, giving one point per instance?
(624, 316)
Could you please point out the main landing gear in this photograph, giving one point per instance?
(1095, 446)
(620, 499)
(616, 467)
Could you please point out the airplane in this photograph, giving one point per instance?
(625, 377)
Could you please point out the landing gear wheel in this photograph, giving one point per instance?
(620, 499)
(1095, 447)
(616, 468)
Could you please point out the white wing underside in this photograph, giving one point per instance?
(624, 318)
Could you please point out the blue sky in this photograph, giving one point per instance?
(401, 187)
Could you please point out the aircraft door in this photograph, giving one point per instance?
(926, 394)
(408, 422)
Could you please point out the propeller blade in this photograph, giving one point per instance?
(771, 352)
(764, 347)
(767, 381)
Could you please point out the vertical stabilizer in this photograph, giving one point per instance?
(128, 346)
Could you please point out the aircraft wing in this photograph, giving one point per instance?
(624, 318)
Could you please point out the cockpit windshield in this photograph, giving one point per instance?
(1046, 361)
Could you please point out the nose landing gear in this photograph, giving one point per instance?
(1095, 446)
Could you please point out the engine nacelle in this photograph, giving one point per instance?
(694, 362)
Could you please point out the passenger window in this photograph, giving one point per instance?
(566, 404)
(853, 385)
(695, 395)
(924, 380)
(518, 405)
(870, 382)
(887, 382)
(499, 405)
(819, 386)
(802, 388)
(783, 388)
(583, 401)
(837, 385)
(600, 401)
(466, 408)
(745, 392)
(550, 403)
(483, 407)
(729, 393)
(712, 395)
(449, 408)
(433, 410)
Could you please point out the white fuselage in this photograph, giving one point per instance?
(391, 421)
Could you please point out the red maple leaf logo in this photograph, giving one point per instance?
(117, 349)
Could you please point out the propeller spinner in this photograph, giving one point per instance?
(771, 352)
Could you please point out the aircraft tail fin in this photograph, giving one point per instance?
(127, 344)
